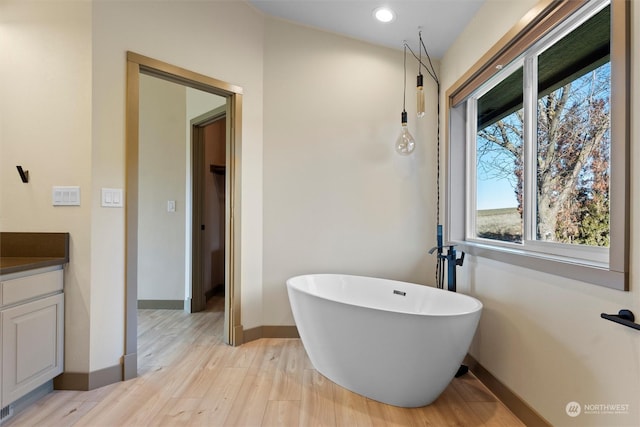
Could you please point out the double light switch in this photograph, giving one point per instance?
(112, 198)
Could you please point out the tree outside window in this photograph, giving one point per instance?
(572, 144)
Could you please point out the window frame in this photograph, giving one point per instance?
(547, 23)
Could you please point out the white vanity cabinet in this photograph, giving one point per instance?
(32, 331)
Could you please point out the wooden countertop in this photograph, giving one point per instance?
(26, 251)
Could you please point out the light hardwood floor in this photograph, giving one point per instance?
(187, 376)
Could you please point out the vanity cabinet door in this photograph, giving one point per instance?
(32, 345)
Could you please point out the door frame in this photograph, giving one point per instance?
(138, 64)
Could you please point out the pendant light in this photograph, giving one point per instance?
(420, 97)
(405, 144)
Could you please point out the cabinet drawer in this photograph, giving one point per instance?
(28, 287)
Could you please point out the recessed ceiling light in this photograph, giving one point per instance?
(384, 14)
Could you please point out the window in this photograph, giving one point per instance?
(544, 146)
(499, 141)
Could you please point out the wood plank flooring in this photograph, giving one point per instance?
(188, 377)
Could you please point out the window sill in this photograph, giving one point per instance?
(560, 266)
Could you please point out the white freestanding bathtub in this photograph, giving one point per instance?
(395, 342)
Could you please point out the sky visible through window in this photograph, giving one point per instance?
(497, 190)
(495, 193)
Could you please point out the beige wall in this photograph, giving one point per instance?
(45, 126)
(542, 335)
(162, 173)
(337, 198)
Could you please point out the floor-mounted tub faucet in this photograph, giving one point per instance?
(452, 261)
(450, 258)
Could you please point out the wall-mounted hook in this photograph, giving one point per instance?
(624, 317)
(24, 175)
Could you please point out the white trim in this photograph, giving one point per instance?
(471, 190)
(497, 78)
(560, 266)
(530, 160)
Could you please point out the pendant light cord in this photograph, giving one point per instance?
(432, 72)
(438, 159)
(420, 55)
(404, 89)
(430, 69)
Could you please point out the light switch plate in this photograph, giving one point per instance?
(171, 205)
(112, 198)
(65, 196)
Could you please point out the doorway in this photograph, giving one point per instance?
(209, 190)
(137, 65)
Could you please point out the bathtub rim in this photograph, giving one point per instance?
(479, 306)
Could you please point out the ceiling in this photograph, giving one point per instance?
(441, 21)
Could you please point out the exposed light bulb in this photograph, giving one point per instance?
(405, 144)
(420, 97)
